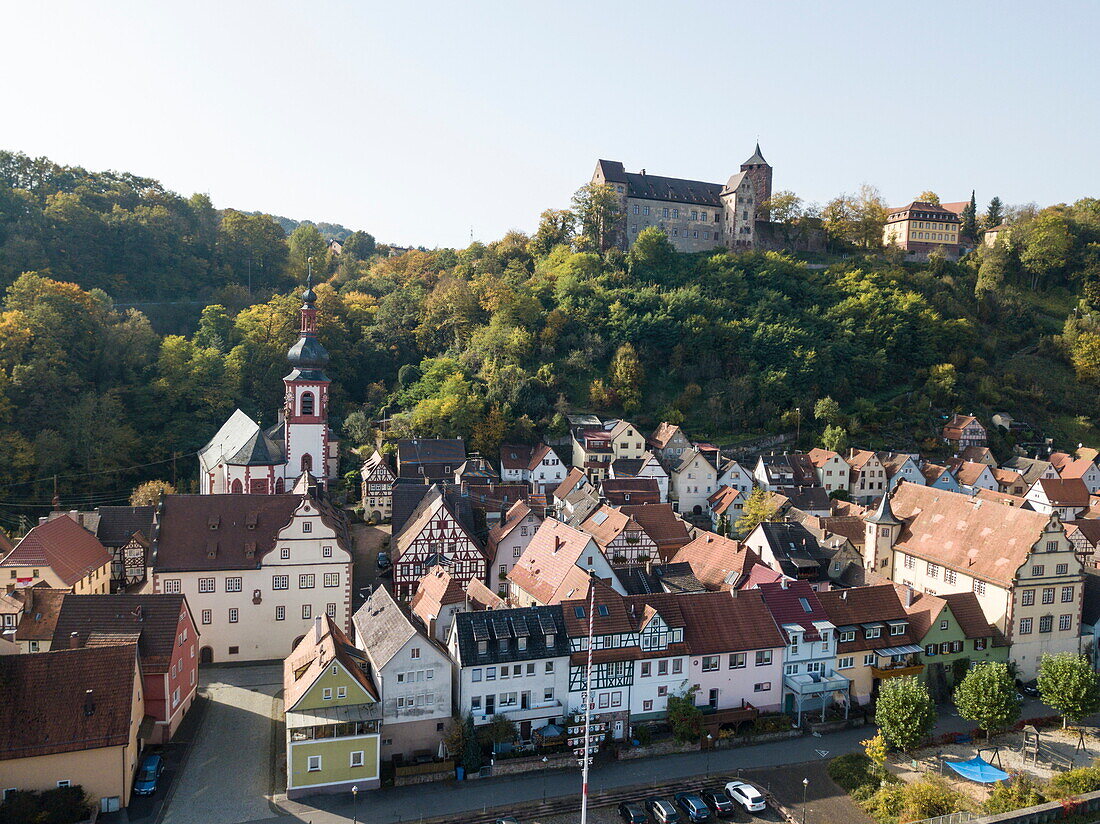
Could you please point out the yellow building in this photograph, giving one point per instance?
(333, 715)
(72, 717)
(921, 228)
(63, 555)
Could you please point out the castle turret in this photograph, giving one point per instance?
(760, 173)
(305, 411)
(882, 529)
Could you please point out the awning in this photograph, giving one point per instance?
(906, 650)
(978, 769)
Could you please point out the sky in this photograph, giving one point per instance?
(429, 123)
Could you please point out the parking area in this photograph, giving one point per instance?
(826, 803)
(366, 541)
(228, 777)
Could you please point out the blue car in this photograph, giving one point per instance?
(148, 775)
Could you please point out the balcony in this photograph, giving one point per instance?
(816, 683)
(894, 671)
(537, 711)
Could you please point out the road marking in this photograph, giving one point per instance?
(822, 753)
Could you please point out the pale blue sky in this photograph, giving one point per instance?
(418, 121)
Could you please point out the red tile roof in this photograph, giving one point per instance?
(865, 605)
(570, 482)
(717, 562)
(63, 546)
(1065, 491)
(1076, 468)
(968, 612)
(619, 491)
(662, 524)
(784, 602)
(548, 569)
(437, 589)
(41, 606)
(723, 499)
(45, 707)
(311, 658)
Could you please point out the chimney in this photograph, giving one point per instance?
(89, 704)
(784, 582)
(844, 595)
(558, 542)
(908, 596)
(317, 630)
(139, 615)
(74, 640)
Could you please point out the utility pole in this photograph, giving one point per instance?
(797, 425)
(588, 698)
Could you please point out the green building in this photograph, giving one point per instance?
(333, 716)
(955, 635)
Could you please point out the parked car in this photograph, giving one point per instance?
(148, 774)
(1030, 689)
(694, 807)
(631, 812)
(719, 802)
(384, 561)
(662, 811)
(507, 820)
(747, 796)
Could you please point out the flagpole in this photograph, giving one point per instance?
(588, 701)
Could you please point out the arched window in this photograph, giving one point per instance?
(307, 403)
(236, 487)
(307, 463)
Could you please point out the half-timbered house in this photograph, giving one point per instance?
(435, 535)
(377, 478)
(621, 538)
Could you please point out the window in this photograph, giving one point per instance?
(1048, 595)
(491, 674)
(206, 584)
(307, 611)
(635, 209)
(847, 662)
(662, 691)
(284, 553)
(710, 663)
(909, 562)
(307, 403)
(171, 585)
(1061, 569)
(332, 579)
(737, 660)
(1025, 626)
(356, 759)
(1052, 546)
(414, 653)
(763, 657)
(897, 629)
(677, 666)
(662, 667)
(979, 587)
(307, 581)
(950, 576)
(790, 669)
(933, 570)
(646, 669)
(979, 643)
(1064, 622)
(1067, 595)
(847, 635)
(330, 610)
(1027, 598)
(647, 706)
(207, 616)
(341, 692)
(280, 613)
(869, 659)
(1037, 570)
(763, 687)
(872, 632)
(326, 693)
(233, 584)
(234, 650)
(280, 582)
(1046, 623)
(313, 764)
(326, 552)
(64, 783)
(234, 614)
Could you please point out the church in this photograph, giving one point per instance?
(243, 457)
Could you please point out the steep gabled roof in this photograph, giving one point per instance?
(575, 477)
(1076, 468)
(723, 499)
(435, 590)
(819, 457)
(66, 701)
(661, 523)
(794, 602)
(957, 530)
(63, 546)
(433, 502)
(1065, 491)
(118, 524)
(239, 440)
(718, 562)
(381, 627)
(313, 656)
(154, 619)
(547, 569)
(664, 433)
(968, 612)
(41, 607)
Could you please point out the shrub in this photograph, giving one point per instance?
(685, 718)
(929, 797)
(1022, 790)
(643, 735)
(886, 804)
(63, 805)
(1075, 782)
(853, 771)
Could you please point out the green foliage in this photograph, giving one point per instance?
(598, 210)
(987, 696)
(1021, 790)
(499, 730)
(929, 797)
(853, 770)
(685, 719)
(1074, 782)
(835, 438)
(904, 712)
(994, 214)
(151, 493)
(64, 805)
(471, 746)
(827, 410)
(1069, 685)
(876, 749)
(758, 508)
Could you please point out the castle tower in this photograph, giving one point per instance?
(305, 411)
(882, 529)
(760, 173)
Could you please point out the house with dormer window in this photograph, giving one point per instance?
(558, 565)
(810, 681)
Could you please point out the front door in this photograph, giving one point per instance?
(617, 730)
(524, 730)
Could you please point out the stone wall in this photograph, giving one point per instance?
(1051, 811)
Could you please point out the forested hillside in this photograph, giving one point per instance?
(496, 341)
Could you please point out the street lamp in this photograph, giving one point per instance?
(710, 745)
(545, 761)
(355, 804)
(805, 786)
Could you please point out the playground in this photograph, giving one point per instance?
(978, 764)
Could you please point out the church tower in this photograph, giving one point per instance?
(881, 533)
(305, 411)
(760, 173)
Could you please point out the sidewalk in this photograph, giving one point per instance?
(410, 804)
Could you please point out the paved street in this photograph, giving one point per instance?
(227, 777)
(366, 540)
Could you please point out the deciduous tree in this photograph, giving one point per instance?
(987, 697)
(904, 712)
(1069, 685)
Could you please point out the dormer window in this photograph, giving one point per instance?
(872, 632)
(897, 629)
(482, 647)
(550, 639)
(502, 644)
